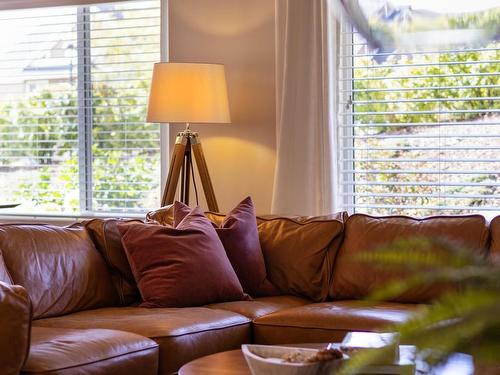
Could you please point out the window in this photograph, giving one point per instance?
(74, 83)
(420, 132)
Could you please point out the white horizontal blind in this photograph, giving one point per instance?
(420, 132)
(20, 4)
(73, 92)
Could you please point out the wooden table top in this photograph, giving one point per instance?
(225, 363)
(233, 363)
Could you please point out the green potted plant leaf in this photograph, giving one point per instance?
(465, 318)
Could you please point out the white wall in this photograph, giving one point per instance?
(239, 34)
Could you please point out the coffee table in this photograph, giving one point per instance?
(224, 363)
(233, 363)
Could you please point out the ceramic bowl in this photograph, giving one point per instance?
(267, 360)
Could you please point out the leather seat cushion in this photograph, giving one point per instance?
(90, 351)
(261, 306)
(327, 321)
(183, 334)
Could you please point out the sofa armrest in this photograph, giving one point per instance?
(15, 328)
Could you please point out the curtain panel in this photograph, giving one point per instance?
(23, 4)
(305, 178)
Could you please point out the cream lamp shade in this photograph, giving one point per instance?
(188, 93)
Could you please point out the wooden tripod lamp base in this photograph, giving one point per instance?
(181, 164)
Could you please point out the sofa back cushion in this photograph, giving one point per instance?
(108, 240)
(353, 279)
(495, 238)
(300, 252)
(164, 216)
(4, 273)
(59, 267)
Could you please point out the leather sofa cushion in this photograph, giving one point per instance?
(260, 306)
(495, 238)
(183, 334)
(90, 351)
(4, 273)
(355, 280)
(163, 216)
(108, 240)
(60, 268)
(300, 252)
(327, 321)
(15, 326)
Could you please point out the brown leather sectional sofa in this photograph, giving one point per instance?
(75, 313)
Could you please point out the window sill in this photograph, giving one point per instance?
(62, 219)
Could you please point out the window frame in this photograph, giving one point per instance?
(85, 118)
(345, 116)
(345, 140)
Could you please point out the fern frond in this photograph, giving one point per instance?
(422, 253)
(464, 319)
(459, 277)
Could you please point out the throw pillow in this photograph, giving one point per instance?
(238, 233)
(182, 266)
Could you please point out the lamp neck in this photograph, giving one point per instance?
(188, 133)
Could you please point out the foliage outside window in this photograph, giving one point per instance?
(420, 131)
(74, 83)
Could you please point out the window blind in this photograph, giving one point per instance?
(74, 83)
(22, 4)
(419, 132)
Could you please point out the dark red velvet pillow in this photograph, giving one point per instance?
(240, 237)
(182, 266)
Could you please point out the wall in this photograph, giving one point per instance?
(239, 34)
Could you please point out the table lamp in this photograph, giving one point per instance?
(188, 93)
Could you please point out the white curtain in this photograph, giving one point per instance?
(305, 177)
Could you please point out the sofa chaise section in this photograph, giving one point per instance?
(59, 351)
(182, 334)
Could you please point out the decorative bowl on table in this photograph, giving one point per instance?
(283, 360)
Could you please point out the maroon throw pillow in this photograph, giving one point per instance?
(180, 267)
(240, 237)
